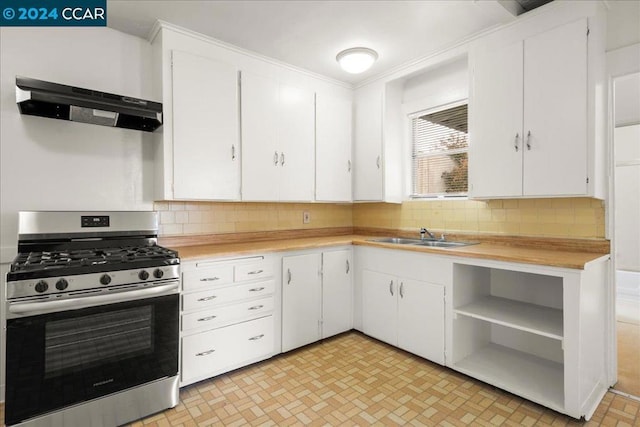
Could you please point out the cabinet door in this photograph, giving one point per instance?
(296, 142)
(555, 111)
(260, 159)
(206, 164)
(495, 123)
(301, 300)
(421, 319)
(337, 291)
(379, 306)
(333, 149)
(368, 167)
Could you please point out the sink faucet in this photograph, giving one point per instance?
(424, 231)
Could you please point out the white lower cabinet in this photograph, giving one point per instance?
(230, 315)
(301, 300)
(405, 313)
(402, 296)
(212, 352)
(316, 296)
(534, 331)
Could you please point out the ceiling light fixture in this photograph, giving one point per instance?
(357, 59)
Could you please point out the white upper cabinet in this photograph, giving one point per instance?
(333, 149)
(206, 151)
(533, 115)
(378, 137)
(261, 158)
(368, 178)
(277, 141)
(555, 112)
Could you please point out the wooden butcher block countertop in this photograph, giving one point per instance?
(564, 253)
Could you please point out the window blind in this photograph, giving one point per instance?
(440, 153)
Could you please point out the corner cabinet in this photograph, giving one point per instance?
(378, 136)
(278, 138)
(333, 149)
(534, 122)
(316, 296)
(201, 160)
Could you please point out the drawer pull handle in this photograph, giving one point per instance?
(391, 287)
(256, 338)
(209, 279)
(206, 319)
(261, 288)
(205, 353)
(255, 272)
(207, 298)
(256, 307)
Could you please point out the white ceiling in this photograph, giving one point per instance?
(309, 34)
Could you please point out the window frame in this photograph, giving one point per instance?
(415, 114)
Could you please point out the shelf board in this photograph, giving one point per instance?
(527, 317)
(534, 378)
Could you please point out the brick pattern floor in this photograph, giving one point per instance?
(354, 380)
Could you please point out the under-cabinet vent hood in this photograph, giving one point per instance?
(57, 101)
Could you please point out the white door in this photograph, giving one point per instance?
(379, 306)
(421, 319)
(333, 149)
(368, 161)
(206, 150)
(296, 142)
(301, 300)
(261, 158)
(337, 291)
(495, 123)
(555, 111)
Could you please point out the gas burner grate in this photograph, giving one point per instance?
(47, 260)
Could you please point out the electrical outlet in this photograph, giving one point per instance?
(306, 217)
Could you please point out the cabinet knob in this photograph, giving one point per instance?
(378, 162)
(391, 287)
(529, 140)
(275, 158)
(281, 159)
(516, 141)
(233, 152)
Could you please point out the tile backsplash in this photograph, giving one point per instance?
(188, 218)
(568, 217)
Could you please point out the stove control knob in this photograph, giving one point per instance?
(62, 284)
(42, 286)
(157, 273)
(143, 275)
(105, 279)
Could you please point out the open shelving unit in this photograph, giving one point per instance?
(508, 331)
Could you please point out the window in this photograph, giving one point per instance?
(440, 146)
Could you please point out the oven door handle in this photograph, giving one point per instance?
(31, 308)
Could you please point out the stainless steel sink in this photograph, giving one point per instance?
(430, 243)
(444, 243)
(397, 240)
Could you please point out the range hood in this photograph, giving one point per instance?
(57, 101)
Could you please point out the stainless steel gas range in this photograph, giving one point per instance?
(92, 307)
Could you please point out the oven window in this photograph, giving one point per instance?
(97, 338)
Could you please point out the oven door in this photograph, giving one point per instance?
(59, 359)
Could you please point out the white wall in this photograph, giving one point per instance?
(623, 23)
(50, 164)
(59, 165)
(437, 86)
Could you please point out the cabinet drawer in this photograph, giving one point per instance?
(253, 271)
(210, 353)
(216, 296)
(226, 314)
(207, 277)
